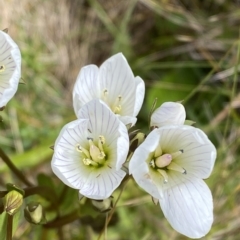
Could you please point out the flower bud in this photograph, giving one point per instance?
(34, 213)
(12, 202)
(169, 113)
(104, 205)
(136, 141)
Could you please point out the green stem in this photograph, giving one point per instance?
(9, 227)
(14, 169)
(59, 222)
(114, 208)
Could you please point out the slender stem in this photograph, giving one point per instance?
(14, 169)
(9, 227)
(114, 208)
(59, 222)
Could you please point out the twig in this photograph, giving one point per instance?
(14, 169)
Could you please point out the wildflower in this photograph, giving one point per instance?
(114, 83)
(168, 113)
(10, 68)
(89, 152)
(170, 165)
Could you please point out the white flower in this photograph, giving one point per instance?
(113, 83)
(10, 68)
(169, 113)
(170, 165)
(89, 152)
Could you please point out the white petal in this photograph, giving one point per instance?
(144, 151)
(102, 121)
(199, 153)
(140, 92)
(143, 178)
(139, 167)
(117, 78)
(169, 113)
(10, 58)
(128, 120)
(86, 87)
(102, 183)
(188, 206)
(66, 162)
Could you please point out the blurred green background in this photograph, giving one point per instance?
(184, 50)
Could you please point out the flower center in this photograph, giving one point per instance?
(164, 162)
(95, 154)
(2, 68)
(116, 105)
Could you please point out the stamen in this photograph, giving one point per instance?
(88, 162)
(152, 163)
(176, 167)
(2, 68)
(82, 150)
(163, 160)
(117, 105)
(105, 95)
(176, 154)
(164, 175)
(101, 141)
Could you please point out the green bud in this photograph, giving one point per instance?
(34, 213)
(136, 141)
(12, 202)
(104, 205)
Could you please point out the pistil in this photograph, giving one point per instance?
(165, 162)
(95, 155)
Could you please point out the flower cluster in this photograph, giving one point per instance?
(169, 164)
(10, 68)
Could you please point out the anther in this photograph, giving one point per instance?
(175, 167)
(164, 175)
(176, 154)
(2, 68)
(152, 163)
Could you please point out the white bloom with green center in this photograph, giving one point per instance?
(169, 113)
(114, 83)
(89, 152)
(170, 165)
(10, 68)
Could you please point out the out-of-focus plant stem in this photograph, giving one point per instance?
(114, 208)
(9, 227)
(14, 169)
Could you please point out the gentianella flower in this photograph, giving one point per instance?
(170, 165)
(168, 113)
(114, 83)
(10, 68)
(89, 152)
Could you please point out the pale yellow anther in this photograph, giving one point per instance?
(164, 175)
(88, 161)
(2, 68)
(117, 105)
(82, 150)
(152, 163)
(176, 167)
(163, 160)
(101, 142)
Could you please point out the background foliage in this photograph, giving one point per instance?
(184, 50)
